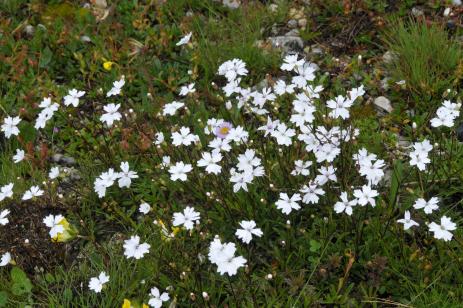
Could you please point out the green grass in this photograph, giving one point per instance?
(314, 257)
(424, 56)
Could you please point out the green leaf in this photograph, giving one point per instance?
(396, 179)
(45, 57)
(21, 284)
(314, 245)
(3, 298)
(18, 275)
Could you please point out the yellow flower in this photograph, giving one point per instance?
(108, 65)
(165, 235)
(69, 232)
(128, 304)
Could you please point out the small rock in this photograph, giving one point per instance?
(294, 32)
(403, 142)
(85, 39)
(388, 57)
(302, 22)
(273, 7)
(289, 44)
(29, 30)
(57, 157)
(385, 83)
(292, 23)
(417, 12)
(383, 103)
(65, 160)
(274, 29)
(316, 49)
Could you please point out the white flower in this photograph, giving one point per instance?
(446, 114)
(133, 248)
(105, 180)
(159, 138)
(73, 97)
(366, 195)
(53, 223)
(6, 259)
(184, 40)
(306, 72)
(301, 167)
(6, 191)
(184, 137)
(126, 176)
(170, 109)
(418, 160)
(428, 206)
(281, 88)
(54, 173)
(144, 208)
(185, 90)
(283, 134)
(340, 107)
(10, 126)
(241, 180)
(179, 171)
(187, 218)
(326, 174)
(223, 255)
(231, 265)
(219, 144)
(232, 69)
(3, 217)
(210, 160)
(311, 193)
(19, 156)
(286, 204)
(112, 114)
(34, 191)
(303, 113)
(42, 119)
(96, 283)
(156, 299)
(117, 87)
(248, 230)
(248, 160)
(269, 127)
(165, 162)
(373, 172)
(291, 62)
(356, 92)
(442, 231)
(237, 134)
(407, 221)
(344, 205)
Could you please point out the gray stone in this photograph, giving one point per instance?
(64, 160)
(388, 57)
(417, 12)
(292, 23)
(383, 103)
(385, 83)
(29, 30)
(289, 44)
(294, 32)
(57, 157)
